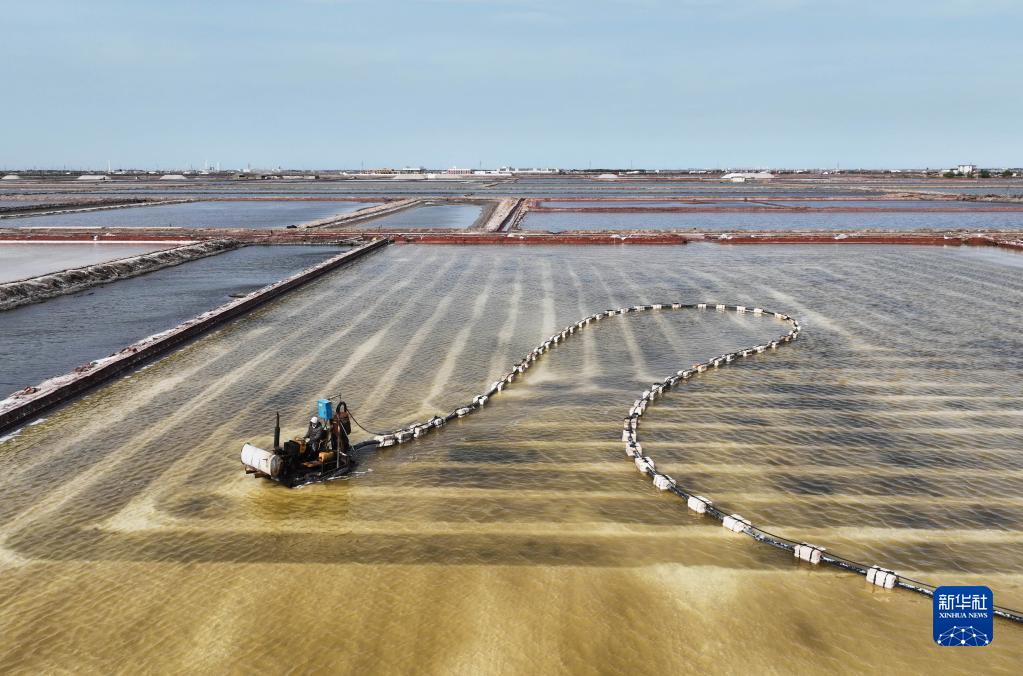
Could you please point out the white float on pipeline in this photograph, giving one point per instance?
(735, 523)
(644, 464)
(663, 482)
(882, 577)
(807, 552)
(698, 504)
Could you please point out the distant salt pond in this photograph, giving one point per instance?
(453, 216)
(23, 260)
(241, 214)
(783, 219)
(753, 203)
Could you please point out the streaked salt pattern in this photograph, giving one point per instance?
(516, 540)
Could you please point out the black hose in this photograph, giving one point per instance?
(359, 424)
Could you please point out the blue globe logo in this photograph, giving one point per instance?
(963, 636)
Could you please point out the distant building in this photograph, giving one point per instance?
(93, 177)
(966, 169)
(743, 176)
(11, 177)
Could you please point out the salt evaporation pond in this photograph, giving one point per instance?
(782, 220)
(898, 204)
(21, 260)
(621, 204)
(519, 539)
(50, 338)
(749, 203)
(453, 216)
(262, 214)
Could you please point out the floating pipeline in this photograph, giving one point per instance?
(813, 554)
(37, 289)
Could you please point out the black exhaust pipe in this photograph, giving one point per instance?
(277, 433)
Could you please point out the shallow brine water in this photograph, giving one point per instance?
(243, 214)
(754, 203)
(519, 540)
(50, 338)
(458, 216)
(783, 219)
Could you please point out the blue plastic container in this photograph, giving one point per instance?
(324, 409)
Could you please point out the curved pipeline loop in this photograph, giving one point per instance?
(810, 553)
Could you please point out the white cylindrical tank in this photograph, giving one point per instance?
(261, 460)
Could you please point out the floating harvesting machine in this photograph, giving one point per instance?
(322, 454)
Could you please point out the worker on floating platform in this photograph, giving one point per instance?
(324, 453)
(314, 436)
(341, 428)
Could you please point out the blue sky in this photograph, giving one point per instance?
(339, 83)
